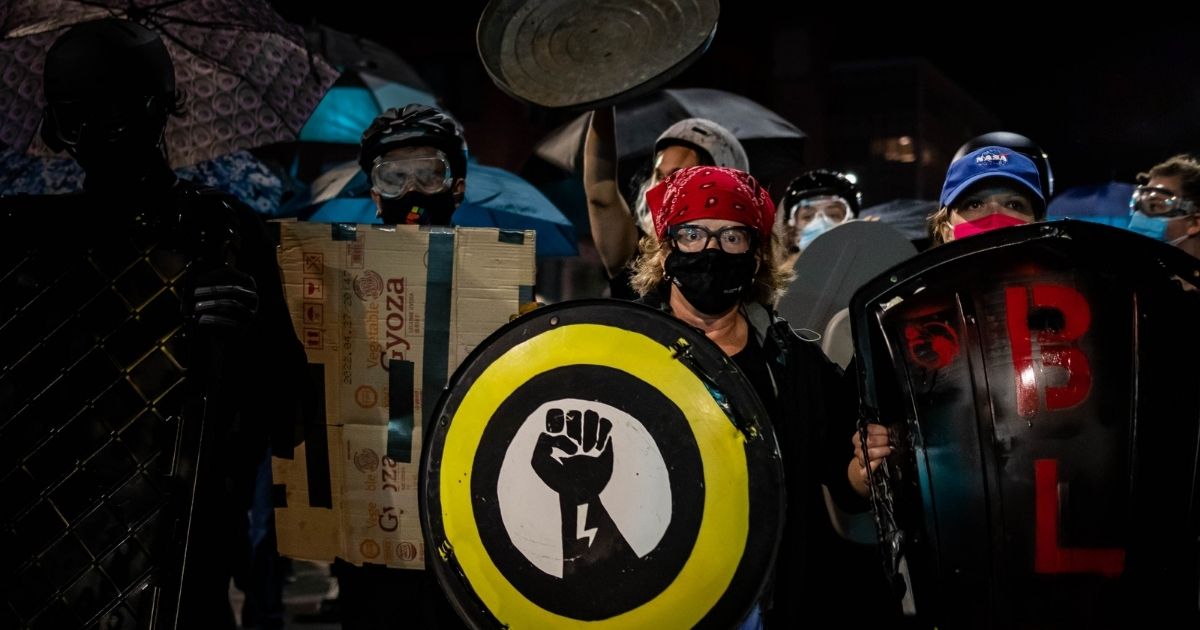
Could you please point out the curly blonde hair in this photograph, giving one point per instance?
(770, 281)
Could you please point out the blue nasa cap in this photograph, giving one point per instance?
(992, 162)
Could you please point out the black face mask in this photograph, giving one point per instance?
(416, 208)
(711, 280)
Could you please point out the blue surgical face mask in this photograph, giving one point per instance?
(1153, 227)
(819, 225)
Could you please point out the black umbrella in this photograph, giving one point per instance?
(774, 145)
(350, 53)
(907, 216)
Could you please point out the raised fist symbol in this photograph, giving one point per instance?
(574, 456)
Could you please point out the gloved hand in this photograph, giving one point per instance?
(224, 299)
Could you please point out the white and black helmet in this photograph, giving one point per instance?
(717, 142)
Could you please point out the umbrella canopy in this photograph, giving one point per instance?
(774, 145)
(1102, 203)
(352, 103)
(907, 216)
(494, 198)
(373, 79)
(247, 76)
(350, 53)
(238, 173)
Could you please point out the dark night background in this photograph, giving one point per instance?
(1105, 101)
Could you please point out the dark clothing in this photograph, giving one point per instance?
(753, 364)
(99, 286)
(818, 574)
(813, 408)
(619, 287)
(374, 597)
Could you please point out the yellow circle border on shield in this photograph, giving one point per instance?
(724, 525)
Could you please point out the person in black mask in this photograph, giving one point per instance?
(711, 264)
(416, 158)
(162, 300)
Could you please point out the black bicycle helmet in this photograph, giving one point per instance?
(819, 183)
(415, 125)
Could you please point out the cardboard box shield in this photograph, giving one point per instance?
(386, 314)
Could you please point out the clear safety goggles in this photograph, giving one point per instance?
(392, 178)
(833, 207)
(1159, 202)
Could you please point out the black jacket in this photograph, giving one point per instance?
(818, 574)
(97, 286)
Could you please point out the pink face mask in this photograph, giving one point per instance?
(993, 221)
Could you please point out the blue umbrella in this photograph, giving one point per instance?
(1103, 203)
(238, 173)
(373, 79)
(352, 103)
(494, 198)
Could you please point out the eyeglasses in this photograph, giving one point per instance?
(833, 207)
(1159, 202)
(393, 178)
(734, 239)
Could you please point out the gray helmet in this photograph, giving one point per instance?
(707, 136)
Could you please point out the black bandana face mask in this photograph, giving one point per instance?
(416, 208)
(711, 280)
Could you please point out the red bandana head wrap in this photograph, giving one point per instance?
(711, 192)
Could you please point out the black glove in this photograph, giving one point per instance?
(224, 299)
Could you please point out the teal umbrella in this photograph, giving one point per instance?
(373, 79)
(352, 103)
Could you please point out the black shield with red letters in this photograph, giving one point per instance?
(1040, 387)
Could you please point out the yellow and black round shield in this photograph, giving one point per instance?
(601, 463)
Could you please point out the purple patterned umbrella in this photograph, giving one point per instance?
(246, 75)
